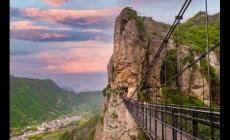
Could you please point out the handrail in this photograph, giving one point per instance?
(166, 116)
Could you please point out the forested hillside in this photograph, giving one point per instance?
(33, 101)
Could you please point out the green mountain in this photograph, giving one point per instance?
(193, 31)
(33, 101)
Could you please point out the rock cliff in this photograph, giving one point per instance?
(136, 40)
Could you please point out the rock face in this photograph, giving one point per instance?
(136, 40)
(117, 123)
(192, 82)
(215, 63)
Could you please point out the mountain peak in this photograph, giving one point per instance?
(200, 13)
(128, 11)
(200, 18)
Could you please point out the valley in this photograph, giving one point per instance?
(39, 105)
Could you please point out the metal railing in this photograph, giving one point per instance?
(171, 122)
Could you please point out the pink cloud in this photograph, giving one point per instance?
(56, 14)
(22, 25)
(92, 30)
(80, 18)
(55, 2)
(35, 35)
(29, 25)
(87, 57)
(53, 35)
(82, 44)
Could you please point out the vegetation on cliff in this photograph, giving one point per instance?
(174, 96)
(132, 14)
(191, 33)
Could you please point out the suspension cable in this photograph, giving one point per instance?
(175, 23)
(203, 91)
(165, 75)
(209, 84)
(179, 78)
(165, 41)
(207, 47)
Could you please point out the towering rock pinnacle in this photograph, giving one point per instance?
(136, 40)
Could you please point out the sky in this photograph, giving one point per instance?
(71, 41)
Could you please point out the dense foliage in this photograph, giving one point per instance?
(193, 32)
(204, 70)
(171, 66)
(33, 101)
(142, 136)
(132, 14)
(174, 96)
(144, 95)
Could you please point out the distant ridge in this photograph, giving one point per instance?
(69, 89)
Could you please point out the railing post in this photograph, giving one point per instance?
(155, 115)
(150, 119)
(174, 125)
(162, 121)
(146, 112)
(212, 129)
(138, 109)
(139, 114)
(194, 125)
(143, 116)
(130, 107)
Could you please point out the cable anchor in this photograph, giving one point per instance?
(178, 17)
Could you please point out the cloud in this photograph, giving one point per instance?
(95, 18)
(77, 57)
(82, 44)
(36, 35)
(18, 52)
(92, 30)
(57, 35)
(55, 2)
(29, 25)
(77, 63)
(20, 25)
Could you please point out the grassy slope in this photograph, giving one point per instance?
(33, 101)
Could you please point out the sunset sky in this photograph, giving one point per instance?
(71, 41)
